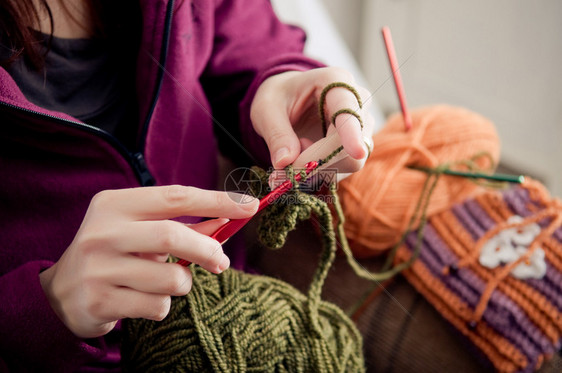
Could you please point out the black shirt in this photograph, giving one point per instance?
(89, 79)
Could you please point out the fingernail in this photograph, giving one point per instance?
(253, 206)
(224, 263)
(241, 198)
(368, 145)
(280, 154)
(367, 151)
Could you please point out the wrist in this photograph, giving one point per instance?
(46, 281)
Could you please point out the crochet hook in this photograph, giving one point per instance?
(397, 77)
(519, 179)
(229, 228)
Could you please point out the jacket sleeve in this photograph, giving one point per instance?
(251, 44)
(32, 337)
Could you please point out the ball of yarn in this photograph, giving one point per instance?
(237, 322)
(379, 200)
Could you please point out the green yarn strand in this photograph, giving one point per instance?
(262, 326)
(322, 102)
(237, 322)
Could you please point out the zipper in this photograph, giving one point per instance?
(161, 70)
(135, 159)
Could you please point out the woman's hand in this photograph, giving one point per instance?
(285, 114)
(116, 265)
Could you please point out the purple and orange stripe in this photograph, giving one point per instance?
(520, 321)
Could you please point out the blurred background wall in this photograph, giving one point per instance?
(500, 58)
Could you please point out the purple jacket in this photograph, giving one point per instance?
(215, 54)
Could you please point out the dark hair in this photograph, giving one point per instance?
(16, 19)
(19, 17)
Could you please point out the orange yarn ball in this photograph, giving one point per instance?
(379, 200)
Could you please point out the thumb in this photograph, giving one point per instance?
(277, 131)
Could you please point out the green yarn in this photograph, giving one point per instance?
(347, 111)
(281, 217)
(322, 102)
(237, 322)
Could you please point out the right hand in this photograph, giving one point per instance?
(116, 265)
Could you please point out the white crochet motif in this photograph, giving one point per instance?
(509, 245)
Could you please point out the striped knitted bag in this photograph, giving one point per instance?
(492, 267)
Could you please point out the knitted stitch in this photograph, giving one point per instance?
(237, 322)
(516, 323)
(380, 199)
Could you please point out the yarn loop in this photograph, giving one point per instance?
(237, 322)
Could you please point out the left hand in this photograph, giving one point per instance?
(285, 113)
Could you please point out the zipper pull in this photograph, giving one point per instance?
(143, 173)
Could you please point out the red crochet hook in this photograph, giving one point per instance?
(229, 228)
(397, 78)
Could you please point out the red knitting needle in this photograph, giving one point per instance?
(397, 78)
(228, 229)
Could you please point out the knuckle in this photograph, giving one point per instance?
(106, 328)
(160, 309)
(101, 199)
(94, 303)
(97, 238)
(179, 283)
(222, 199)
(215, 251)
(90, 245)
(167, 236)
(275, 136)
(186, 288)
(177, 195)
(174, 280)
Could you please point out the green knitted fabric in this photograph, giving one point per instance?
(282, 216)
(237, 322)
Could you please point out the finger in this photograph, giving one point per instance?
(348, 126)
(148, 276)
(338, 98)
(305, 143)
(278, 133)
(166, 202)
(270, 117)
(368, 124)
(342, 162)
(155, 257)
(208, 227)
(121, 302)
(167, 236)
(321, 149)
(366, 96)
